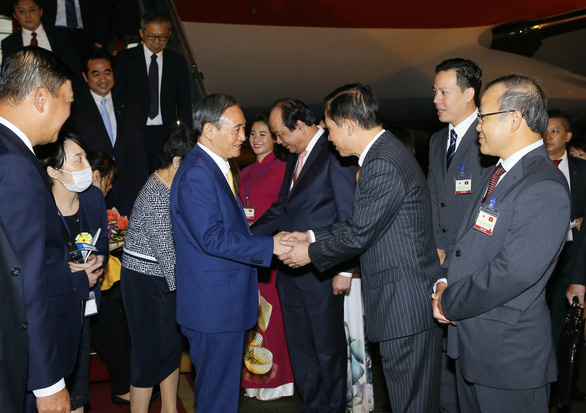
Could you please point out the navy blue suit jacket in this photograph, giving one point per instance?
(216, 254)
(53, 314)
(322, 195)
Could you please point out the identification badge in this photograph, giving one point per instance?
(487, 217)
(463, 182)
(249, 211)
(91, 306)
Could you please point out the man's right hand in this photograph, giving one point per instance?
(55, 403)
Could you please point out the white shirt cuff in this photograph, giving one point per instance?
(311, 235)
(51, 390)
(346, 274)
(441, 280)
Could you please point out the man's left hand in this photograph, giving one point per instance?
(298, 256)
(341, 284)
(576, 290)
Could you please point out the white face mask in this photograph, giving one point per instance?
(81, 180)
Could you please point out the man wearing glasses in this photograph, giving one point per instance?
(28, 15)
(455, 164)
(157, 79)
(493, 296)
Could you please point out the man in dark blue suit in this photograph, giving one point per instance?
(317, 190)
(157, 79)
(32, 32)
(390, 230)
(217, 289)
(35, 100)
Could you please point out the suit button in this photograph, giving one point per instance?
(24, 325)
(458, 253)
(443, 230)
(74, 289)
(15, 272)
(260, 261)
(442, 205)
(28, 376)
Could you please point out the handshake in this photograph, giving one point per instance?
(292, 248)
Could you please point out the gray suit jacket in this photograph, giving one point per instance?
(496, 284)
(391, 231)
(447, 207)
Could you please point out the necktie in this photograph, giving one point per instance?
(70, 14)
(557, 162)
(34, 41)
(106, 119)
(299, 166)
(231, 182)
(451, 149)
(494, 178)
(154, 87)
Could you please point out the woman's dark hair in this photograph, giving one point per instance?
(100, 161)
(178, 142)
(280, 152)
(53, 154)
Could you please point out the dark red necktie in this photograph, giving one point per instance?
(557, 162)
(34, 41)
(494, 178)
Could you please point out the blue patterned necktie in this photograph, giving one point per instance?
(452, 148)
(106, 119)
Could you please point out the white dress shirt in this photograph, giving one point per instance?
(42, 39)
(109, 108)
(461, 129)
(222, 164)
(61, 19)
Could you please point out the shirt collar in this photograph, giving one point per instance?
(148, 54)
(99, 98)
(512, 160)
(18, 133)
(314, 140)
(222, 164)
(463, 126)
(39, 31)
(365, 151)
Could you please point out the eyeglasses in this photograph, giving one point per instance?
(482, 116)
(24, 12)
(161, 37)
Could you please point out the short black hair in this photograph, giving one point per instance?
(579, 142)
(102, 162)
(293, 110)
(29, 68)
(14, 3)
(53, 154)
(210, 110)
(468, 74)
(154, 16)
(356, 102)
(180, 140)
(95, 53)
(560, 114)
(525, 94)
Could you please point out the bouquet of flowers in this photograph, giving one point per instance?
(117, 225)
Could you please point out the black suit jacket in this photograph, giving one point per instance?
(128, 151)
(13, 338)
(322, 195)
(132, 81)
(58, 39)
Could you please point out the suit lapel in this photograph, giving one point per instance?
(315, 152)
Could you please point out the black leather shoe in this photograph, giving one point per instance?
(119, 400)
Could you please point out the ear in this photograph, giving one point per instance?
(517, 119)
(141, 34)
(176, 162)
(569, 137)
(299, 125)
(208, 131)
(84, 76)
(40, 98)
(469, 93)
(52, 172)
(348, 126)
(96, 176)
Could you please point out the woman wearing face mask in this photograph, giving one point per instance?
(82, 212)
